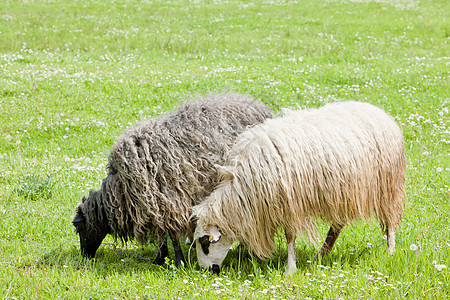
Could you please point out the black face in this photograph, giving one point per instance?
(90, 239)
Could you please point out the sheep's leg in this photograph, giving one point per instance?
(179, 258)
(291, 259)
(391, 240)
(163, 252)
(332, 236)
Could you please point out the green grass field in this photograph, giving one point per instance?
(75, 74)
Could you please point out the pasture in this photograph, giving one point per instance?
(75, 74)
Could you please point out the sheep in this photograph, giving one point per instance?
(159, 169)
(342, 162)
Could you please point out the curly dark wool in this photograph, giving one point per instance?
(160, 168)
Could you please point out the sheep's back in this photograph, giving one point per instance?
(165, 165)
(341, 162)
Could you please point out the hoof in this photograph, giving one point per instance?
(159, 261)
(180, 263)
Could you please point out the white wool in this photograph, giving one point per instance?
(342, 162)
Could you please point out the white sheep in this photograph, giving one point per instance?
(340, 163)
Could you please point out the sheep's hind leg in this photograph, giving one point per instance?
(292, 258)
(331, 238)
(163, 252)
(390, 232)
(179, 258)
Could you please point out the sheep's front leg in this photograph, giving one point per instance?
(179, 258)
(292, 258)
(163, 252)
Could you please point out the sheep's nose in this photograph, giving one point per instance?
(215, 269)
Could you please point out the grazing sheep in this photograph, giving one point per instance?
(160, 168)
(342, 162)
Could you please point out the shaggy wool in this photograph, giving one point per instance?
(342, 162)
(160, 168)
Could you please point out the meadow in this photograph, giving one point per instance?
(75, 74)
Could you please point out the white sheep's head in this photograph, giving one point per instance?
(212, 247)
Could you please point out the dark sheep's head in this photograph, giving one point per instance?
(91, 234)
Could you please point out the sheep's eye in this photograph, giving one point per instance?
(204, 242)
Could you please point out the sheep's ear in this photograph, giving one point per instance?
(214, 235)
(224, 172)
(83, 199)
(78, 219)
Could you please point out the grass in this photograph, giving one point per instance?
(74, 75)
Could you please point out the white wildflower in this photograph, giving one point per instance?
(439, 267)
